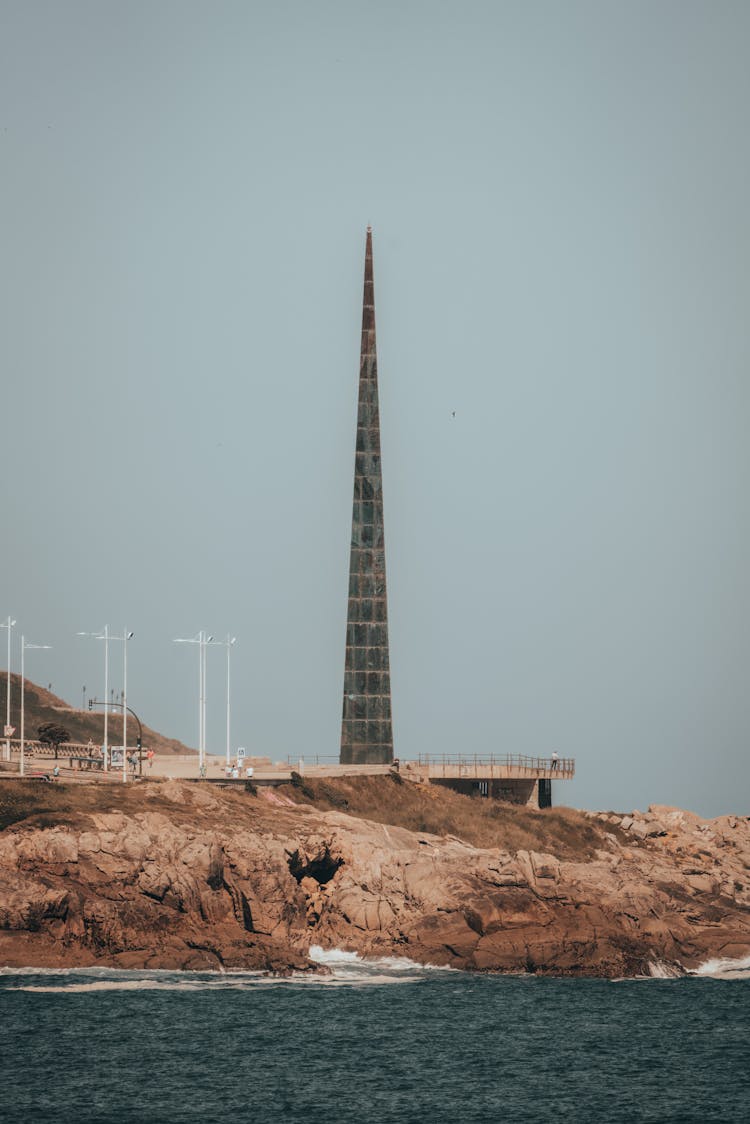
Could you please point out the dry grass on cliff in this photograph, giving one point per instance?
(390, 800)
(564, 832)
(36, 804)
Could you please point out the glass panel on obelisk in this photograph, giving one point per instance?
(366, 732)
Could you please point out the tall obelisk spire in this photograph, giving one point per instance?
(366, 732)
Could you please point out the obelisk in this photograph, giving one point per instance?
(366, 731)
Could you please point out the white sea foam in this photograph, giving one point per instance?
(5, 971)
(345, 969)
(338, 958)
(72, 987)
(333, 955)
(350, 968)
(658, 970)
(724, 968)
(227, 984)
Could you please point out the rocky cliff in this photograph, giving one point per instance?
(175, 875)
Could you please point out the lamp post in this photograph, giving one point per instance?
(125, 637)
(24, 646)
(9, 625)
(202, 640)
(95, 702)
(228, 643)
(106, 638)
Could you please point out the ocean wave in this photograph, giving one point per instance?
(339, 958)
(344, 969)
(99, 970)
(724, 968)
(73, 988)
(658, 970)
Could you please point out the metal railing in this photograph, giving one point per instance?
(313, 759)
(481, 763)
(470, 764)
(45, 751)
(32, 747)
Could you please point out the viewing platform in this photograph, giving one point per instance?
(511, 777)
(515, 778)
(507, 766)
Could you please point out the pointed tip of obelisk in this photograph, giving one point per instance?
(369, 229)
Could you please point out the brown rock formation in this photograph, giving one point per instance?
(181, 876)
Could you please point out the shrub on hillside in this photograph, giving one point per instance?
(298, 782)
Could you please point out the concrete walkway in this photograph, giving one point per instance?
(263, 771)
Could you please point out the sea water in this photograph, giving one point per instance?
(383, 1040)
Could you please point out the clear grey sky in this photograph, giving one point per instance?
(559, 196)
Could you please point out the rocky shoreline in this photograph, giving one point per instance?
(181, 876)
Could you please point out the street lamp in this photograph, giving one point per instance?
(106, 638)
(228, 643)
(202, 640)
(95, 702)
(9, 625)
(125, 637)
(24, 646)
